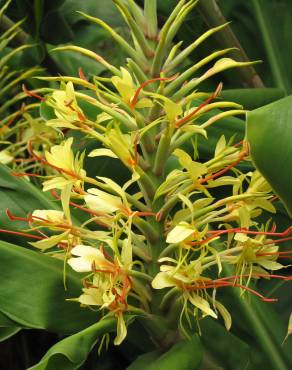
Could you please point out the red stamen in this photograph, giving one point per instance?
(17, 218)
(21, 234)
(106, 255)
(206, 102)
(44, 161)
(141, 214)
(81, 74)
(219, 173)
(254, 292)
(203, 241)
(32, 94)
(223, 284)
(81, 116)
(133, 101)
(158, 216)
(94, 213)
(216, 233)
(280, 254)
(35, 218)
(286, 232)
(278, 241)
(238, 144)
(274, 227)
(104, 271)
(9, 123)
(23, 160)
(126, 285)
(23, 174)
(274, 276)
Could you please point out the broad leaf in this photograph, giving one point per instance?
(21, 197)
(269, 132)
(228, 350)
(261, 327)
(32, 294)
(252, 98)
(184, 355)
(7, 332)
(71, 352)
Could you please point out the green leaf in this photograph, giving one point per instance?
(71, 352)
(260, 325)
(104, 10)
(7, 332)
(252, 98)
(144, 361)
(7, 327)
(184, 355)
(228, 350)
(269, 132)
(60, 33)
(46, 111)
(32, 293)
(289, 330)
(264, 17)
(21, 197)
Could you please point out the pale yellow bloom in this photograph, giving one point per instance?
(50, 215)
(121, 329)
(100, 201)
(109, 287)
(124, 85)
(255, 256)
(183, 277)
(62, 158)
(65, 107)
(86, 257)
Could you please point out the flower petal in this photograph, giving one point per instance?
(121, 330)
(162, 280)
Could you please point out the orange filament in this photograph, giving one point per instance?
(206, 102)
(21, 234)
(9, 123)
(23, 174)
(221, 172)
(32, 94)
(133, 101)
(81, 74)
(219, 283)
(216, 233)
(44, 161)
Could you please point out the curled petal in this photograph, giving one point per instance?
(162, 280)
(121, 329)
(87, 256)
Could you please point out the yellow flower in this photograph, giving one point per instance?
(177, 276)
(256, 256)
(50, 215)
(100, 201)
(124, 85)
(61, 158)
(121, 329)
(109, 287)
(65, 107)
(99, 294)
(186, 278)
(86, 258)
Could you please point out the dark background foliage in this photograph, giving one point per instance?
(263, 31)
